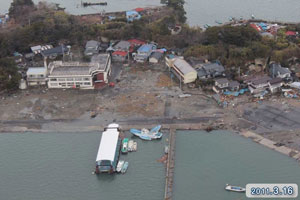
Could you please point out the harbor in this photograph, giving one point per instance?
(63, 162)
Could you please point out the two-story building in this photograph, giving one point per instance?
(80, 75)
(36, 76)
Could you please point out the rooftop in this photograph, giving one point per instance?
(122, 45)
(183, 66)
(59, 68)
(92, 44)
(147, 48)
(36, 70)
(222, 80)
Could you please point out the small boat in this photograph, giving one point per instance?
(206, 26)
(124, 167)
(218, 22)
(166, 149)
(230, 18)
(252, 16)
(145, 134)
(130, 145)
(234, 188)
(134, 147)
(124, 145)
(120, 166)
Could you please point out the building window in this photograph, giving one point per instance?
(86, 79)
(69, 79)
(53, 84)
(78, 79)
(53, 79)
(41, 76)
(87, 83)
(70, 84)
(31, 76)
(61, 79)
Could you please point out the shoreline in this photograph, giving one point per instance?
(255, 137)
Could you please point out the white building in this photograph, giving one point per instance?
(36, 76)
(80, 75)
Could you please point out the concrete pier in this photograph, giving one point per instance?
(170, 166)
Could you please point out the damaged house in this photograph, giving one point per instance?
(210, 70)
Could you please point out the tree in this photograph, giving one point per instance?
(9, 76)
(17, 7)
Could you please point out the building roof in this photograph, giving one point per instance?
(261, 80)
(139, 9)
(201, 72)
(233, 84)
(36, 48)
(92, 44)
(59, 68)
(183, 66)
(222, 81)
(136, 42)
(132, 15)
(122, 45)
(120, 53)
(278, 69)
(275, 80)
(290, 33)
(213, 67)
(156, 55)
(55, 51)
(108, 145)
(36, 70)
(147, 48)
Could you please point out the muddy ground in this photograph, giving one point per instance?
(146, 94)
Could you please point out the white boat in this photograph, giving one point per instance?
(124, 167)
(234, 188)
(130, 145)
(134, 147)
(120, 165)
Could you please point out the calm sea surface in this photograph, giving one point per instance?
(53, 166)
(205, 162)
(199, 12)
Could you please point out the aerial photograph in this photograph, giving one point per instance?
(149, 99)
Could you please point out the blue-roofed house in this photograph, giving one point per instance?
(36, 76)
(144, 52)
(132, 15)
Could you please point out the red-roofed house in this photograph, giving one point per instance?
(290, 33)
(139, 9)
(136, 42)
(255, 27)
(119, 56)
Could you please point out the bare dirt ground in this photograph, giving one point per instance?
(146, 94)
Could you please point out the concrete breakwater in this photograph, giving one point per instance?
(271, 144)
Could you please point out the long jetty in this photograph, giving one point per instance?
(170, 166)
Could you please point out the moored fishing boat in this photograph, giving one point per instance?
(134, 148)
(120, 165)
(234, 188)
(145, 134)
(130, 145)
(125, 167)
(124, 145)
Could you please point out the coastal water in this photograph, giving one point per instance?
(48, 166)
(205, 162)
(199, 12)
